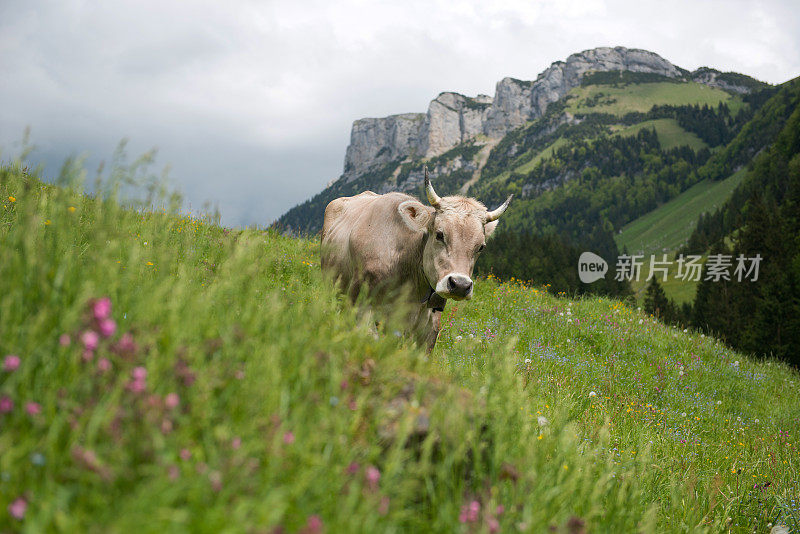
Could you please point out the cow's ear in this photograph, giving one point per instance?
(415, 214)
(489, 228)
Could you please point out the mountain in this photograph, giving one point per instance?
(459, 135)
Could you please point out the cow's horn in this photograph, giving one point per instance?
(494, 215)
(433, 198)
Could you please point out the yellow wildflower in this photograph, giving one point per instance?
(12, 199)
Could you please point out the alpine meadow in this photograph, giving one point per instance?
(164, 373)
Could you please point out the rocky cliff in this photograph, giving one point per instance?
(453, 118)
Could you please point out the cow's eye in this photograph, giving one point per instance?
(480, 248)
(440, 236)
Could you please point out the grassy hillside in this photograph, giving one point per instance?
(670, 134)
(625, 98)
(164, 374)
(668, 227)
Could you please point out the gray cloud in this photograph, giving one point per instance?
(251, 103)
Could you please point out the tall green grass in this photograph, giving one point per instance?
(240, 393)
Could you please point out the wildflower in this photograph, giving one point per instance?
(11, 363)
(108, 327)
(683, 414)
(12, 199)
(90, 339)
(542, 420)
(756, 421)
(149, 263)
(102, 308)
(458, 338)
(592, 394)
(87, 355)
(6, 404)
(352, 469)
(139, 373)
(33, 408)
(469, 512)
(719, 402)
(64, 340)
(736, 363)
(37, 459)
(500, 509)
(185, 454)
(493, 524)
(71, 209)
(17, 508)
(373, 475)
(103, 365)
(313, 525)
(236, 443)
(125, 345)
(288, 438)
(680, 373)
(527, 360)
(172, 400)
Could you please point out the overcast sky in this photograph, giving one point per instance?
(251, 103)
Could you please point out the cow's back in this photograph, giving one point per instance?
(362, 235)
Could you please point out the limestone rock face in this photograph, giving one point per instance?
(377, 141)
(715, 78)
(452, 119)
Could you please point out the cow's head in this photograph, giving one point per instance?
(456, 230)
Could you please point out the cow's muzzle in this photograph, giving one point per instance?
(455, 286)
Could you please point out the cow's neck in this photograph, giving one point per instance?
(425, 294)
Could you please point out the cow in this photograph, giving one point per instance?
(401, 249)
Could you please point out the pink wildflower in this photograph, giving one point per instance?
(173, 471)
(103, 365)
(17, 508)
(172, 400)
(373, 475)
(33, 408)
(137, 386)
(383, 509)
(352, 469)
(90, 339)
(108, 327)
(313, 525)
(88, 355)
(469, 512)
(288, 438)
(102, 308)
(185, 454)
(139, 373)
(236, 443)
(11, 363)
(64, 340)
(494, 525)
(126, 344)
(6, 404)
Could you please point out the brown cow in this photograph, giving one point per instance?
(398, 246)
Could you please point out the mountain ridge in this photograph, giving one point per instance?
(454, 118)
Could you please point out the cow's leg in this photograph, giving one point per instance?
(433, 333)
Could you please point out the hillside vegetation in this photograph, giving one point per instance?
(161, 373)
